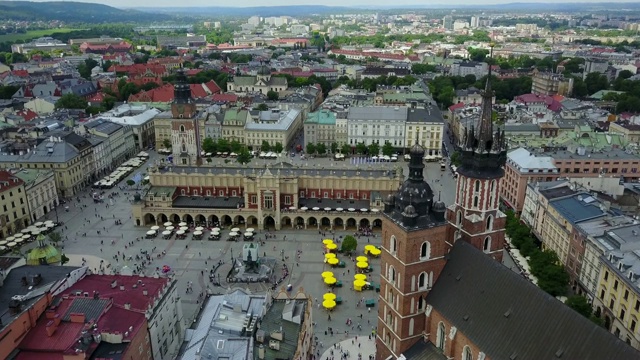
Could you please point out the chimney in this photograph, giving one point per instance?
(50, 328)
(122, 287)
(127, 306)
(56, 319)
(145, 292)
(77, 318)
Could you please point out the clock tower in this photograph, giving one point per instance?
(185, 130)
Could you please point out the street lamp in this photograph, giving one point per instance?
(55, 208)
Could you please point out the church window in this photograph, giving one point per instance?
(477, 185)
(411, 325)
(475, 201)
(422, 280)
(184, 147)
(486, 247)
(181, 128)
(489, 223)
(195, 192)
(392, 274)
(441, 336)
(425, 250)
(459, 218)
(466, 353)
(393, 244)
(421, 303)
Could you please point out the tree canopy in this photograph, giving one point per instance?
(71, 101)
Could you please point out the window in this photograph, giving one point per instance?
(615, 285)
(626, 294)
(606, 275)
(393, 244)
(637, 307)
(459, 218)
(392, 274)
(475, 201)
(181, 128)
(632, 327)
(489, 223)
(287, 200)
(422, 280)
(268, 201)
(425, 250)
(466, 353)
(195, 192)
(622, 313)
(253, 199)
(486, 246)
(440, 337)
(183, 192)
(477, 185)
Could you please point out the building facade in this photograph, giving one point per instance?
(40, 187)
(14, 205)
(320, 128)
(265, 198)
(425, 125)
(375, 124)
(186, 130)
(551, 84)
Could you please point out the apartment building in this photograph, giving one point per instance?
(544, 83)
(119, 138)
(14, 208)
(273, 126)
(631, 132)
(320, 128)
(40, 188)
(376, 124)
(425, 126)
(618, 294)
(521, 169)
(523, 166)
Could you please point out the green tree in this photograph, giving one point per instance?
(272, 95)
(127, 90)
(166, 143)
(374, 149)
(71, 101)
(6, 92)
(131, 182)
(419, 69)
(85, 68)
(596, 82)
(580, 304)
(63, 259)
(349, 244)
(149, 86)
(361, 148)
(108, 102)
(334, 147)
(208, 145)
(266, 147)
(244, 157)
(455, 158)
(321, 149)
(262, 107)
(278, 147)
(345, 149)
(625, 74)
(311, 148)
(224, 145)
(235, 146)
(55, 237)
(387, 149)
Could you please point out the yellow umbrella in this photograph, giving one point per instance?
(369, 247)
(358, 284)
(333, 261)
(375, 252)
(360, 277)
(362, 258)
(329, 255)
(330, 280)
(362, 264)
(327, 274)
(329, 304)
(327, 241)
(329, 296)
(332, 246)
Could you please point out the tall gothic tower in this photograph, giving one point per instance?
(475, 217)
(185, 130)
(414, 245)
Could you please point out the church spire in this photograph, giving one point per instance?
(484, 135)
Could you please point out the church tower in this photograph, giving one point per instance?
(475, 216)
(185, 130)
(414, 245)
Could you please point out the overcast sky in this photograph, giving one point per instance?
(246, 3)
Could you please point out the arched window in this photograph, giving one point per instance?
(475, 201)
(477, 185)
(421, 303)
(422, 280)
(466, 353)
(392, 274)
(440, 337)
(181, 128)
(393, 244)
(459, 218)
(489, 223)
(461, 190)
(184, 147)
(493, 185)
(486, 247)
(425, 250)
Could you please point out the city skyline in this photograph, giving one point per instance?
(353, 3)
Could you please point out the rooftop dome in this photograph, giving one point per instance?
(409, 210)
(439, 206)
(417, 150)
(43, 254)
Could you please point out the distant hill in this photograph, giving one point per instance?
(249, 11)
(73, 12)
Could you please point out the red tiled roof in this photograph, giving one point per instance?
(213, 87)
(65, 336)
(120, 319)
(20, 73)
(192, 72)
(197, 91)
(98, 97)
(457, 106)
(379, 55)
(161, 94)
(102, 284)
(225, 97)
(7, 178)
(27, 114)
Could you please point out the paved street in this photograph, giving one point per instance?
(192, 260)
